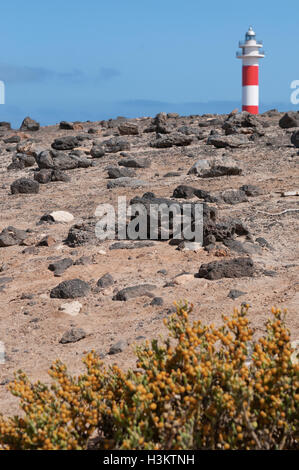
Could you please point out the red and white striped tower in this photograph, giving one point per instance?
(250, 56)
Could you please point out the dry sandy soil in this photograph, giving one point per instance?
(31, 324)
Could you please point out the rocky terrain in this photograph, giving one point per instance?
(64, 292)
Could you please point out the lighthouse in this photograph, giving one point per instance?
(250, 55)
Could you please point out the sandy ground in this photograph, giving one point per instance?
(31, 328)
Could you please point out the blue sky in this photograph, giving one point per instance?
(95, 59)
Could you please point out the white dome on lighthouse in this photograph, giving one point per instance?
(250, 34)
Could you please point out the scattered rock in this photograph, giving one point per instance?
(234, 196)
(134, 163)
(215, 167)
(48, 240)
(70, 289)
(105, 281)
(171, 140)
(189, 246)
(65, 125)
(223, 141)
(116, 144)
(183, 279)
(62, 217)
(157, 302)
(11, 236)
(5, 125)
(263, 243)
(126, 182)
(83, 261)
(118, 347)
(66, 143)
(43, 176)
(134, 291)
(60, 266)
(24, 186)
(82, 234)
(97, 151)
(131, 245)
(30, 125)
(233, 268)
(73, 335)
(250, 190)
(128, 128)
(187, 192)
(295, 138)
(288, 120)
(115, 172)
(234, 294)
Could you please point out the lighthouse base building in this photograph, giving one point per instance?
(250, 56)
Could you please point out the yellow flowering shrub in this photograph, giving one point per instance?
(203, 387)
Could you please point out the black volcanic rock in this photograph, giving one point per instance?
(290, 119)
(66, 125)
(134, 163)
(60, 266)
(5, 125)
(97, 151)
(105, 281)
(222, 141)
(70, 289)
(66, 143)
(116, 172)
(24, 186)
(116, 144)
(295, 139)
(43, 176)
(233, 268)
(57, 160)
